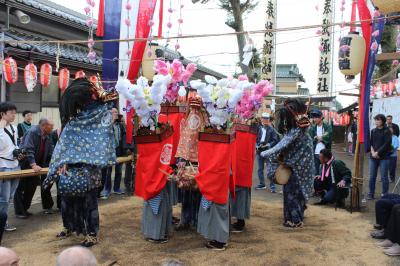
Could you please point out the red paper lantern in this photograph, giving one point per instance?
(347, 119)
(63, 78)
(80, 74)
(10, 70)
(93, 79)
(46, 72)
(30, 76)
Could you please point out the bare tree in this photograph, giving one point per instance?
(236, 10)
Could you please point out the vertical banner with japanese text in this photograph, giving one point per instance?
(326, 45)
(269, 42)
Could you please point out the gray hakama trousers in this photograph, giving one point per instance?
(157, 226)
(240, 206)
(213, 223)
(173, 192)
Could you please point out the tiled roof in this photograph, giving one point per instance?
(68, 51)
(58, 10)
(288, 71)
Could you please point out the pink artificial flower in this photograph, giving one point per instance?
(395, 63)
(375, 33)
(89, 2)
(128, 22)
(344, 48)
(377, 13)
(149, 53)
(169, 25)
(161, 67)
(180, 21)
(170, 10)
(128, 6)
(90, 43)
(87, 10)
(150, 23)
(321, 48)
(177, 46)
(243, 78)
(92, 3)
(92, 55)
(191, 68)
(89, 22)
(177, 70)
(318, 32)
(374, 46)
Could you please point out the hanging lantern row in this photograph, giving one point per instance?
(46, 72)
(383, 90)
(10, 70)
(337, 119)
(30, 76)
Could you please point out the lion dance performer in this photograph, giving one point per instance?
(295, 150)
(187, 157)
(86, 145)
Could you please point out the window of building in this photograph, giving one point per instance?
(51, 94)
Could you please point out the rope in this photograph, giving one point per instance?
(201, 35)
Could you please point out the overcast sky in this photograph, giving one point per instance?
(294, 47)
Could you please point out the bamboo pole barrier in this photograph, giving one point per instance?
(30, 172)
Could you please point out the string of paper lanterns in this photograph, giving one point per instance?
(10, 70)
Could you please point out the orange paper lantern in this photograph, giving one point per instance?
(93, 79)
(80, 74)
(30, 76)
(10, 70)
(46, 72)
(63, 79)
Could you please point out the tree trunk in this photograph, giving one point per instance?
(241, 41)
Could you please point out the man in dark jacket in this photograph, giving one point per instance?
(120, 140)
(25, 125)
(39, 148)
(334, 180)
(267, 137)
(390, 124)
(381, 148)
(321, 134)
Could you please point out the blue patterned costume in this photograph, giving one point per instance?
(86, 145)
(297, 149)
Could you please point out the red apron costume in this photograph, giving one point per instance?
(152, 157)
(175, 120)
(214, 176)
(244, 155)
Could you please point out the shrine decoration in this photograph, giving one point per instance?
(30, 76)
(180, 76)
(325, 47)
(351, 55)
(10, 70)
(269, 41)
(46, 73)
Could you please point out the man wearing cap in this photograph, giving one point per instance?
(267, 137)
(321, 134)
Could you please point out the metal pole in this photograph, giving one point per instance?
(3, 80)
(2, 46)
